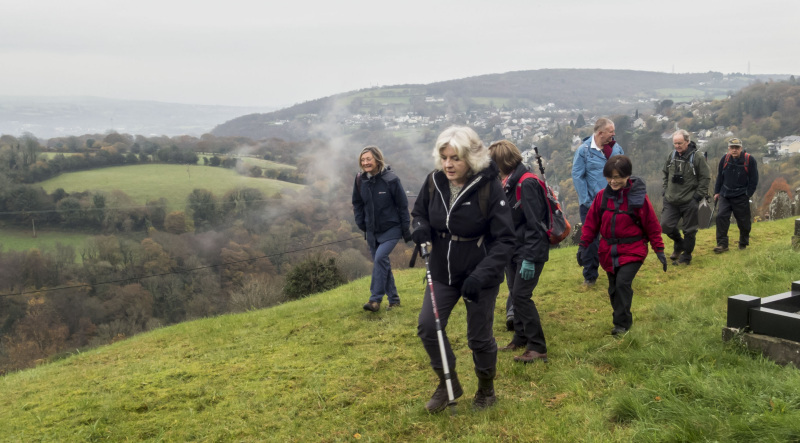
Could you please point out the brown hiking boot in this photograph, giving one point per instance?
(676, 253)
(510, 347)
(720, 249)
(440, 400)
(531, 356)
(392, 306)
(372, 306)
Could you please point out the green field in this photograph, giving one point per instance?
(173, 182)
(252, 161)
(322, 369)
(23, 240)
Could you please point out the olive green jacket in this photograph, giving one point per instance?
(695, 172)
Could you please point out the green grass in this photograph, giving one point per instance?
(173, 182)
(264, 164)
(322, 369)
(23, 240)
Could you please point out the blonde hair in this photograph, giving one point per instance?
(376, 154)
(468, 146)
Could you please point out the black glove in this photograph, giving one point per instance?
(662, 259)
(697, 198)
(422, 234)
(406, 235)
(471, 289)
(579, 255)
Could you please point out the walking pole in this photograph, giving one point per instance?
(445, 366)
(712, 212)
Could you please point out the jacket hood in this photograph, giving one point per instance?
(637, 191)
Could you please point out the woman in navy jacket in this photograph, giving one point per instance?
(462, 211)
(380, 207)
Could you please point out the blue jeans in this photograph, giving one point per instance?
(382, 278)
(591, 256)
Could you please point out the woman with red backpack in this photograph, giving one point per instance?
(624, 218)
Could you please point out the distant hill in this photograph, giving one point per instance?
(47, 117)
(595, 90)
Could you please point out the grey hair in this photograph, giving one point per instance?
(601, 124)
(468, 146)
(376, 154)
(684, 133)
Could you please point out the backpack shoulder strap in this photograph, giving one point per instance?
(430, 186)
(727, 159)
(522, 178)
(358, 182)
(746, 162)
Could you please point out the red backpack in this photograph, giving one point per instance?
(558, 227)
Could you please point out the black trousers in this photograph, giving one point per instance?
(740, 207)
(591, 258)
(527, 324)
(671, 215)
(480, 320)
(620, 292)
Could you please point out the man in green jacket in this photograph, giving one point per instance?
(686, 179)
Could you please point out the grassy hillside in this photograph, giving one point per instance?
(322, 369)
(22, 240)
(173, 182)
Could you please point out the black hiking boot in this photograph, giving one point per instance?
(372, 306)
(485, 397)
(720, 249)
(439, 400)
(676, 253)
(684, 259)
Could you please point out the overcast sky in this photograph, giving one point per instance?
(277, 53)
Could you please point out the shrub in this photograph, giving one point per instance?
(311, 276)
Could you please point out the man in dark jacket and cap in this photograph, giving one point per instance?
(737, 179)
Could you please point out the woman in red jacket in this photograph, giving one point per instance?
(623, 216)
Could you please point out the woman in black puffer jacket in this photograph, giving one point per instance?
(462, 211)
(380, 207)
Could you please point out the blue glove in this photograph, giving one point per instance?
(579, 255)
(527, 270)
(662, 259)
(471, 289)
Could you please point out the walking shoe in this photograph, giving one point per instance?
(485, 397)
(372, 306)
(510, 347)
(720, 249)
(684, 260)
(510, 323)
(531, 356)
(742, 247)
(392, 306)
(588, 283)
(618, 330)
(439, 400)
(675, 253)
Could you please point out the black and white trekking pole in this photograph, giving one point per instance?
(451, 400)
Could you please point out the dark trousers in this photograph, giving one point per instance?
(671, 215)
(620, 292)
(590, 257)
(480, 319)
(740, 207)
(527, 325)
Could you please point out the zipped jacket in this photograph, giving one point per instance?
(587, 170)
(529, 216)
(381, 205)
(696, 176)
(464, 241)
(623, 238)
(734, 180)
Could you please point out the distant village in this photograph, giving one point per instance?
(541, 121)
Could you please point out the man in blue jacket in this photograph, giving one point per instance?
(737, 178)
(587, 176)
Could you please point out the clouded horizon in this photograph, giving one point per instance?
(248, 53)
